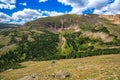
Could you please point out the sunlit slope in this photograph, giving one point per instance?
(105, 67)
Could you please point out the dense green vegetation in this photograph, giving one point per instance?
(80, 43)
(43, 48)
(1, 46)
(77, 42)
(94, 53)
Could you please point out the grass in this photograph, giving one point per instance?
(7, 48)
(105, 67)
(4, 40)
(114, 29)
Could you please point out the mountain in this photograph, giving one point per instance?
(114, 18)
(2, 26)
(59, 37)
(90, 22)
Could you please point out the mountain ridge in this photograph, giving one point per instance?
(63, 21)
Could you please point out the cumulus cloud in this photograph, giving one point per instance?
(113, 8)
(4, 17)
(26, 15)
(52, 13)
(7, 4)
(73, 3)
(24, 4)
(99, 6)
(31, 14)
(43, 0)
(77, 5)
(17, 22)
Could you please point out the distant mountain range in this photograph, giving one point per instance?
(2, 26)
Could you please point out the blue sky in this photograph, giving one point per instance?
(21, 11)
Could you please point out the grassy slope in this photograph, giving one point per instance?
(113, 28)
(105, 67)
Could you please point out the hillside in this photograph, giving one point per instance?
(58, 37)
(90, 68)
(114, 18)
(2, 26)
(90, 22)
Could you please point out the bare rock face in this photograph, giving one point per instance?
(98, 35)
(114, 18)
(117, 19)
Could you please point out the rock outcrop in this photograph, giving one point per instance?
(114, 18)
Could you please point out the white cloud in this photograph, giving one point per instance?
(24, 4)
(100, 6)
(52, 13)
(43, 0)
(113, 8)
(98, 12)
(21, 17)
(97, 4)
(17, 22)
(26, 15)
(4, 17)
(77, 5)
(8, 1)
(7, 4)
